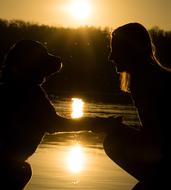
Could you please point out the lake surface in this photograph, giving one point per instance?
(77, 160)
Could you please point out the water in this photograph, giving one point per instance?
(77, 160)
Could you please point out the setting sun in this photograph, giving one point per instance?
(80, 9)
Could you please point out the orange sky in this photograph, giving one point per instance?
(110, 13)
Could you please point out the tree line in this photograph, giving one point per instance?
(84, 52)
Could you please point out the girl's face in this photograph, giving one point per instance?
(124, 55)
(119, 61)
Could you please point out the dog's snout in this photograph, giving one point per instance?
(57, 63)
(54, 64)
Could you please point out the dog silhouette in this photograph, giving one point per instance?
(26, 113)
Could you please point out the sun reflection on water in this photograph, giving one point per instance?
(75, 159)
(77, 108)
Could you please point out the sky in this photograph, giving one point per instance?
(98, 13)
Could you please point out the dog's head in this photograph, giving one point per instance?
(29, 60)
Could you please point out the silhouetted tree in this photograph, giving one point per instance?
(84, 52)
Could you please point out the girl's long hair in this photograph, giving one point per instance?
(132, 41)
(125, 79)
